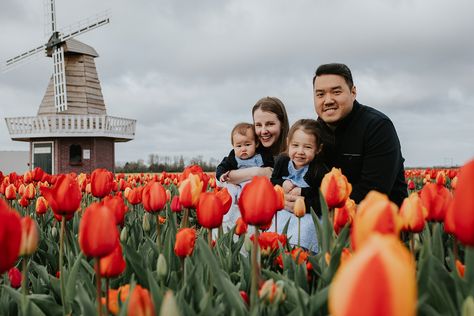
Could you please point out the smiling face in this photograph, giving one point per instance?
(267, 127)
(333, 99)
(302, 148)
(244, 145)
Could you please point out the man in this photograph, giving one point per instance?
(358, 139)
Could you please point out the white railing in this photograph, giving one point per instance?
(71, 126)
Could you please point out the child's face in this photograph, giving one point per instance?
(302, 148)
(244, 145)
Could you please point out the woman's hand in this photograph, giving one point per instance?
(240, 175)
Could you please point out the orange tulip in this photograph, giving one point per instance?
(29, 236)
(464, 205)
(189, 191)
(209, 211)
(379, 279)
(240, 227)
(98, 235)
(344, 215)
(272, 292)
(280, 197)
(335, 188)
(185, 240)
(30, 192)
(10, 236)
(269, 242)
(113, 264)
(197, 171)
(117, 205)
(460, 267)
(41, 205)
(102, 182)
(413, 213)
(258, 201)
(226, 199)
(436, 199)
(154, 197)
(10, 192)
(114, 296)
(449, 219)
(134, 195)
(376, 213)
(65, 197)
(140, 303)
(300, 208)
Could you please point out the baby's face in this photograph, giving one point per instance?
(244, 145)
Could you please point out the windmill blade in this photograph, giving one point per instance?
(59, 80)
(14, 61)
(85, 25)
(49, 17)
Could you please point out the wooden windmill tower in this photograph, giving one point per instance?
(72, 131)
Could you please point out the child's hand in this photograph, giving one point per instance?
(224, 177)
(287, 186)
(296, 191)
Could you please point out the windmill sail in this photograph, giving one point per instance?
(59, 78)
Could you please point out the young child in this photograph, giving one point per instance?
(246, 154)
(300, 172)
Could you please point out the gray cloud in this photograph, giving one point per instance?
(189, 71)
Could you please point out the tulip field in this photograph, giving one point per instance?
(154, 244)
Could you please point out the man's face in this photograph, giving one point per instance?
(333, 100)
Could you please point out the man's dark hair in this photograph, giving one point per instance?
(335, 69)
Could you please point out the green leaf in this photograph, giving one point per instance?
(327, 227)
(71, 281)
(438, 247)
(469, 272)
(84, 301)
(17, 297)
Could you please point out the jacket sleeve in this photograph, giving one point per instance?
(280, 170)
(311, 194)
(381, 161)
(227, 164)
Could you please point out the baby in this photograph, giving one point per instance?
(246, 154)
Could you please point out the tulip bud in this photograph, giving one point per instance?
(240, 227)
(468, 306)
(146, 223)
(124, 234)
(272, 292)
(169, 305)
(14, 275)
(300, 208)
(54, 232)
(29, 236)
(161, 266)
(248, 243)
(335, 188)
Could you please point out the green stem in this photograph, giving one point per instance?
(412, 244)
(97, 277)
(184, 221)
(255, 273)
(23, 281)
(158, 233)
(209, 237)
(276, 222)
(299, 231)
(61, 270)
(107, 296)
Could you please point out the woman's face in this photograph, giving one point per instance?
(267, 127)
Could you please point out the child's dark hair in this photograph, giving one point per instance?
(242, 128)
(308, 126)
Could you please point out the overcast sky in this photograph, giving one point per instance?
(187, 71)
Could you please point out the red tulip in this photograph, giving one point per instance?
(463, 205)
(226, 199)
(189, 191)
(436, 199)
(175, 204)
(258, 201)
(344, 215)
(41, 205)
(98, 235)
(117, 205)
(10, 236)
(15, 277)
(102, 182)
(240, 227)
(10, 192)
(411, 185)
(134, 196)
(154, 197)
(335, 188)
(280, 197)
(269, 242)
(209, 210)
(185, 240)
(379, 279)
(140, 303)
(65, 197)
(113, 264)
(413, 214)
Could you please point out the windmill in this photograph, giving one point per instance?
(72, 131)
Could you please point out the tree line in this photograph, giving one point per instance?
(157, 163)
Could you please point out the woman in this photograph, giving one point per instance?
(271, 126)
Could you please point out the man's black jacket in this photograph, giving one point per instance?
(365, 146)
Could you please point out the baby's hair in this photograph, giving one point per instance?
(242, 128)
(309, 126)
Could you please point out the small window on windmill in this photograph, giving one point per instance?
(75, 155)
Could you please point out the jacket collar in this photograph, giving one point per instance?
(345, 121)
